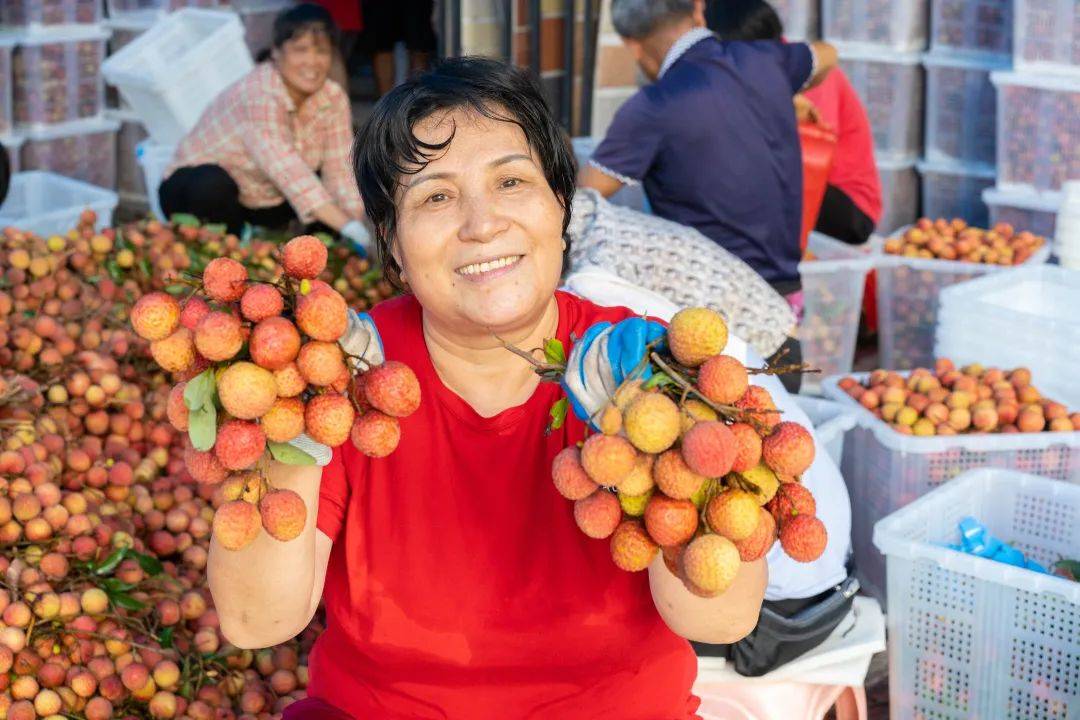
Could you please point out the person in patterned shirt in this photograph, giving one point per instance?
(277, 145)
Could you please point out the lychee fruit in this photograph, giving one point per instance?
(764, 480)
(392, 388)
(175, 409)
(758, 400)
(261, 301)
(328, 419)
(571, 480)
(219, 336)
(631, 547)
(748, 447)
(246, 390)
(224, 280)
(804, 538)
(236, 524)
(246, 486)
(696, 334)
(358, 392)
(634, 505)
(791, 499)
(608, 460)
(283, 514)
(304, 257)
(274, 343)
(375, 434)
(610, 421)
(155, 316)
(789, 449)
(723, 379)
(598, 514)
(195, 309)
(284, 421)
(239, 444)
(709, 449)
(175, 353)
(761, 540)
(694, 411)
(321, 363)
(322, 314)
(626, 394)
(289, 381)
(711, 562)
(733, 514)
(204, 466)
(674, 477)
(640, 478)
(652, 422)
(670, 521)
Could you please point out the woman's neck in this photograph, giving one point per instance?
(480, 370)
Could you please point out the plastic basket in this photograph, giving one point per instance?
(899, 194)
(832, 290)
(898, 26)
(961, 109)
(886, 471)
(142, 10)
(800, 18)
(12, 144)
(154, 158)
(954, 190)
(631, 196)
(39, 14)
(50, 204)
(84, 150)
(1024, 210)
(890, 85)
(1047, 36)
(173, 71)
(972, 27)
(831, 421)
(974, 638)
(907, 297)
(1038, 130)
(56, 77)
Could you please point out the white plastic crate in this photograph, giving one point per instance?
(173, 71)
(972, 27)
(83, 149)
(954, 190)
(7, 47)
(832, 290)
(56, 77)
(41, 14)
(831, 421)
(1047, 36)
(800, 18)
(12, 144)
(631, 196)
(961, 109)
(1038, 129)
(50, 204)
(151, 9)
(899, 194)
(970, 637)
(154, 158)
(886, 471)
(130, 182)
(890, 85)
(907, 301)
(897, 26)
(1024, 210)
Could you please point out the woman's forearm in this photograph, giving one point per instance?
(264, 592)
(330, 214)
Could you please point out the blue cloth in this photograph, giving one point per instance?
(976, 540)
(715, 143)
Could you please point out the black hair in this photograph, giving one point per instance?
(296, 21)
(387, 148)
(744, 20)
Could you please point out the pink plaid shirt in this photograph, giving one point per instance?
(272, 150)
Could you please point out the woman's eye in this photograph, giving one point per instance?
(437, 198)
(511, 182)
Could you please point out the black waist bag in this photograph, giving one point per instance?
(781, 637)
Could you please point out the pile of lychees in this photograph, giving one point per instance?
(695, 462)
(260, 364)
(956, 240)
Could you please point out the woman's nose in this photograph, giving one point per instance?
(481, 221)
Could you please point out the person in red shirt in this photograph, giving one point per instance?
(455, 580)
(852, 204)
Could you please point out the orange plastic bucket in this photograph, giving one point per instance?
(818, 146)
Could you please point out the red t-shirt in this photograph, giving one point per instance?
(853, 170)
(459, 585)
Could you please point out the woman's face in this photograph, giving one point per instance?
(304, 62)
(479, 230)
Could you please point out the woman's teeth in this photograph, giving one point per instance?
(484, 267)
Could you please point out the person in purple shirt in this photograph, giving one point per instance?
(713, 137)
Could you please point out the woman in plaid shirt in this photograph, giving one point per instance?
(276, 146)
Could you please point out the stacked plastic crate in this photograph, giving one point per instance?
(969, 40)
(801, 18)
(1038, 135)
(880, 42)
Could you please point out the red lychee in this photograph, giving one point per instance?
(246, 390)
(304, 257)
(239, 444)
(709, 449)
(175, 353)
(748, 447)
(320, 363)
(393, 389)
(218, 336)
(328, 419)
(789, 449)
(631, 547)
(791, 499)
(283, 514)
(322, 314)
(175, 409)
(710, 563)
(236, 524)
(723, 379)
(571, 480)
(761, 540)
(261, 301)
(284, 421)
(608, 459)
(758, 399)
(289, 381)
(204, 466)
(375, 434)
(224, 280)
(598, 514)
(195, 309)
(674, 477)
(274, 343)
(804, 538)
(670, 521)
(155, 316)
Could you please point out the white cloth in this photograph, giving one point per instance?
(788, 579)
(686, 41)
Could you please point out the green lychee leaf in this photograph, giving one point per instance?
(176, 289)
(558, 414)
(202, 427)
(115, 585)
(288, 454)
(149, 564)
(184, 220)
(109, 563)
(125, 601)
(165, 639)
(215, 228)
(554, 352)
(325, 238)
(659, 379)
(199, 392)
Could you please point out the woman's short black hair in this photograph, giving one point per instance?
(387, 148)
(302, 19)
(744, 20)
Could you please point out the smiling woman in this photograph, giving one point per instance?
(455, 580)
